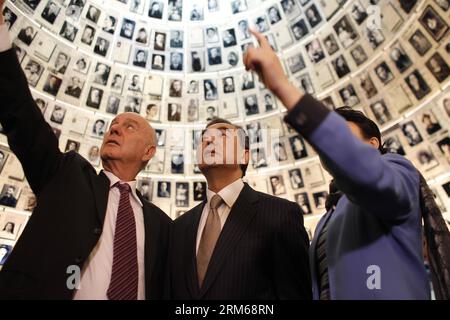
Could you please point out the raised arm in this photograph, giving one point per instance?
(383, 185)
(29, 136)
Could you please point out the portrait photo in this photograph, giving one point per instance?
(302, 200)
(438, 67)
(417, 85)
(296, 178)
(411, 133)
(5, 250)
(277, 185)
(94, 98)
(52, 84)
(68, 31)
(400, 58)
(50, 12)
(420, 42)
(182, 194)
(433, 23)
(298, 147)
(72, 145)
(346, 33)
(199, 190)
(164, 189)
(26, 35)
(9, 195)
(33, 71)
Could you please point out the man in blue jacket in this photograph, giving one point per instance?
(369, 244)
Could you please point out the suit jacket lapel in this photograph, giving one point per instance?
(152, 230)
(100, 186)
(240, 216)
(191, 252)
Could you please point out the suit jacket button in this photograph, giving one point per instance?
(97, 231)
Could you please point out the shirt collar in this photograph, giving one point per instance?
(114, 179)
(229, 194)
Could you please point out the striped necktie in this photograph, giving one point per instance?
(124, 277)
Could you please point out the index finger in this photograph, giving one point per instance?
(261, 39)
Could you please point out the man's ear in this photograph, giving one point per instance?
(247, 156)
(375, 142)
(149, 154)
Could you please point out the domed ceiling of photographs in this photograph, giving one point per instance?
(179, 64)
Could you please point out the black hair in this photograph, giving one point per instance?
(368, 128)
(246, 138)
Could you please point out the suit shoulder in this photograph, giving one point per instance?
(159, 213)
(267, 198)
(400, 160)
(188, 215)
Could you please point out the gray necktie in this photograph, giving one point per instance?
(209, 238)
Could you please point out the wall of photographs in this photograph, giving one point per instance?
(179, 64)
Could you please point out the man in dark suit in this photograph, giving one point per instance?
(238, 243)
(92, 232)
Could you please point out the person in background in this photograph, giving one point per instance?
(369, 243)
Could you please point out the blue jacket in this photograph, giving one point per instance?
(375, 230)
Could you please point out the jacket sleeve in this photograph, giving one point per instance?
(290, 255)
(384, 185)
(29, 136)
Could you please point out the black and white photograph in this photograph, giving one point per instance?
(145, 187)
(10, 17)
(164, 189)
(254, 132)
(251, 105)
(277, 185)
(290, 8)
(306, 84)
(248, 81)
(127, 29)
(72, 145)
(9, 195)
(159, 42)
(358, 13)
(303, 202)
(158, 62)
(296, 63)
(213, 5)
(298, 147)
(133, 104)
(101, 47)
(176, 38)
(429, 122)
(238, 6)
(26, 35)
(175, 88)
(176, 61)
(60, 63)
(94, 98)
(258, 158)
(299, 29)
(101, 74)
(417, 85)
(74, 87)
(279, 152)
(438, 67)
(384, 73)
(58, 114)
(243, 30)
(112, 105)
(374, 36)
(229, 38)
(33, 71)
(199, 190)
(82, 65)
(349, 96)
(140, 58)
(51, 12)
(174, 112)
(359, 55)
(433, 23)
(175, 10)
(152, 112)
(68, 31)
(109, 24)
(32, 4)
(320, 199)
(135, 84)
(182, 194)
(368, 86)
(11, 225)
(228, 85)
(411, 133)
(315, 51)
(274, 14)
(142, 36)
(426, 159)
(88, 35)
(196, 13)
(214, 56)
(296, 178)
(313, 16)
(444, 147)
(393, 144)
(99, 128)
(331, 44)
(400, 58)
(346, 33)
(74, 8)
(210, 89)
(93, 14)
(341, 67)
(420, 42)
(381, 112)
(52, 85)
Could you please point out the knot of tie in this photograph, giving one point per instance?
(216, 201)
(123, 187)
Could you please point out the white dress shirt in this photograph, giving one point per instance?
(5, 41)
(96, 274)
(229, 194)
